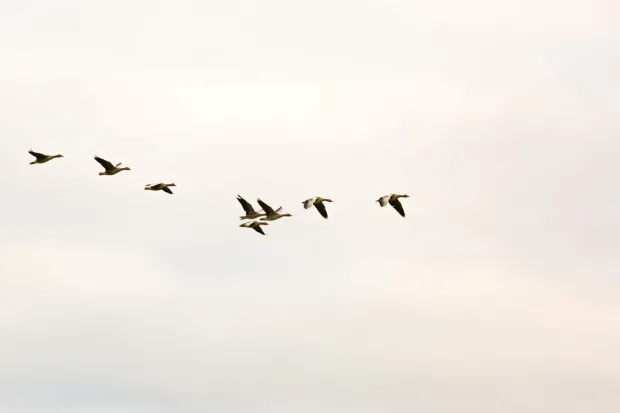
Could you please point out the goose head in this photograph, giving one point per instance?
(287, 215)
(404, 196)
(172, 184)
(327, 200)
(58, 156)
(126, 168)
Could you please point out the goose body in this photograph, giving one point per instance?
(160, 187)
(109, 168)
(42, 158)
(255, 225)
(318, 204)
(249, 210)
(270, 214)
(392, 199)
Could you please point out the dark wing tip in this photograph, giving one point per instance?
(247, 207)
(398, 207)
(259, 230)
(322, 210)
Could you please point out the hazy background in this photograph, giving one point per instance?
(498, 293)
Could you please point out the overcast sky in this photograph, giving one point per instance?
(498, 292)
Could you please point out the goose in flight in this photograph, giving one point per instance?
(160, 187)
(318, 204)
(109, 168)
(255, 225)
(42, 158)
(249, 210)
(393, 200)
(271, 215)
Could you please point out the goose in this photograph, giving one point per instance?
(393, 200)
(249, 210)
(271, 215)
(42, 158)
(160, 187)
(109, 168)
(318, 204)
(255, 225)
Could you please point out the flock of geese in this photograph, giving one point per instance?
(256, 219)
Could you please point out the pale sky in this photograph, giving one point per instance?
(498, 292)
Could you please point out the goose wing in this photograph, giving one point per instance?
(383, 201)
(167, 190)
(258, 229)
(321, 208)
(247, 207)
(37, 155)
(309, 202)
(268, 210)
(107, 165)
(398, 206)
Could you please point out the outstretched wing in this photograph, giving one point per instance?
(167, 190)
(398, 206)
(383, 201)
(258, 229)
(247, 207)
(268, 210)
(321, 208)
(309, 202)
(107, 165)
(37, 155)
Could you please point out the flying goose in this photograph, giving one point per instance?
(249, 210)
(109, 168)
(393, 200)
(42, 158)
(318, 204)
(255, 225)
(271, 215)
(160, 187)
